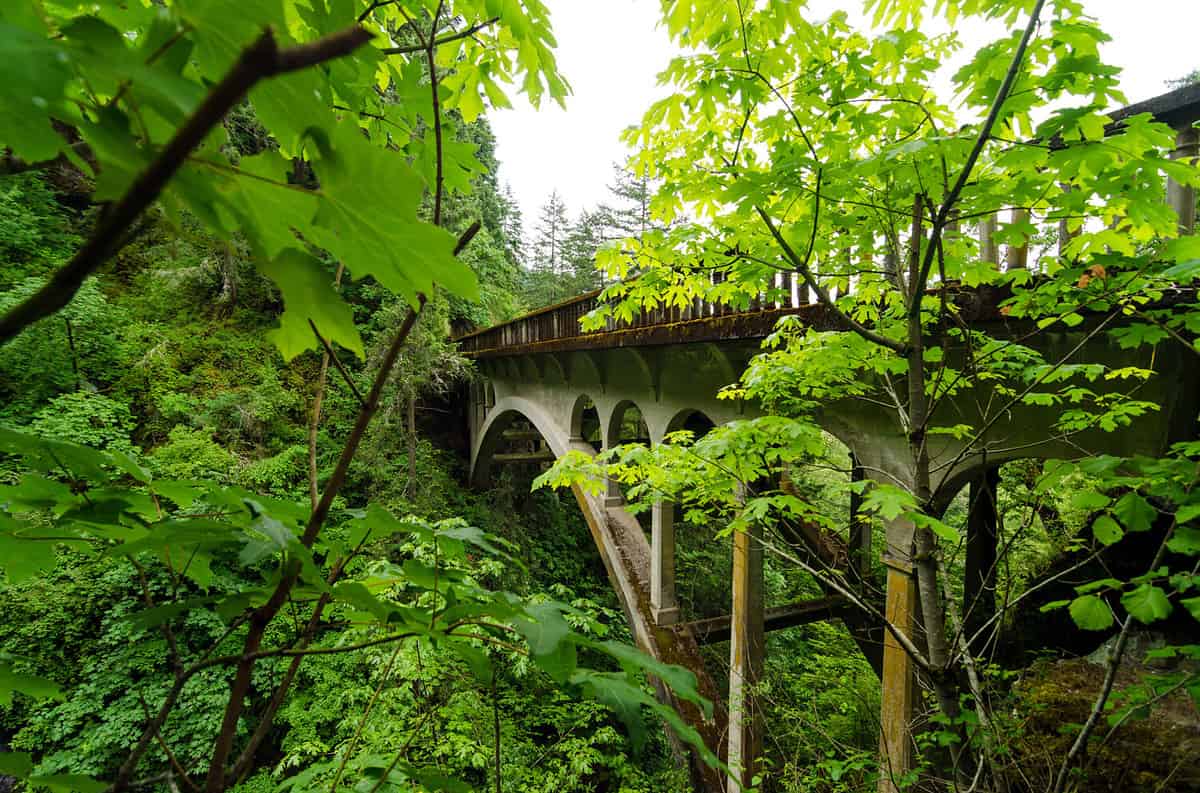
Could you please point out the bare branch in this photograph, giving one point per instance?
(332, 356)
(985, 134)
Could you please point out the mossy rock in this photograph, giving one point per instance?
(1158, 751)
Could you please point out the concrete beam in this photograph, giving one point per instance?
(543, 456)
(715, 630)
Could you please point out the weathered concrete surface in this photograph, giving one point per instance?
(899, 692)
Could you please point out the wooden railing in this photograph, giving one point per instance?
(786, 291)
(563, 320)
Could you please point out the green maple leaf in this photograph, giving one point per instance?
(36, 72)
(1147, 603)
(1091, 613)
(367, 217)
(309, 295)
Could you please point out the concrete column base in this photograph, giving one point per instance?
(666, 616)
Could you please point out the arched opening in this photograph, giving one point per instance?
(585, 422)
(694, 421)
(626, 425)
(663, 515)
(514, 443)
(1025, 542)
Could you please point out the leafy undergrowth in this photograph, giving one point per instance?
(172, 364)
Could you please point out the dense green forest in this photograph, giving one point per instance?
(238, 550)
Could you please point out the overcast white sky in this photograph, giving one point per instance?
(611, 52)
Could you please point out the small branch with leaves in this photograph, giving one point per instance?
(260, 61)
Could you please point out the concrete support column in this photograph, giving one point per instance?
(1183, 199)
(899, 687)
(987, 241)
(983, 533)
(662, 563)
(746, 649)
(860, 529)
(613, 497)
(898, 681)
(1018, 255)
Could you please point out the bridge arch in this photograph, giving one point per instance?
(507, 410)
(692, 419)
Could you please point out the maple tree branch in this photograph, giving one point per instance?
(314, 422)
(985, 134)
(332, 356)
(431, 58)
(261, 60)
(372, 8)
(263, 616)
(801, 265)
(409, 49)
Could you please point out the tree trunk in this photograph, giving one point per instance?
(412, 445)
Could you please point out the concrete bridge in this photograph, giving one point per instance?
(575, 389)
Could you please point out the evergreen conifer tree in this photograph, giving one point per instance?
(629, 213)
(550, 236)
(584, 238)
